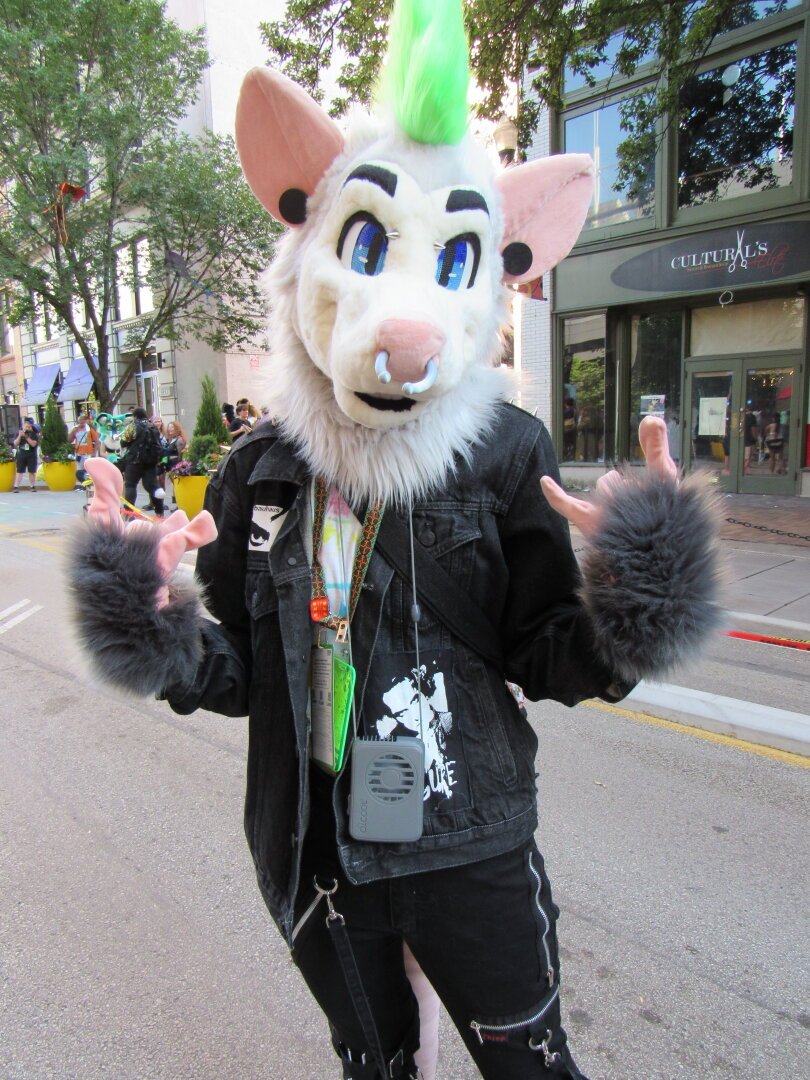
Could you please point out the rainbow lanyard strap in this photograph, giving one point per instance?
(319, 603)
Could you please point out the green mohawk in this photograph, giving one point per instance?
(427, 75)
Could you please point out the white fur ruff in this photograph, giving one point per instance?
(398, 465)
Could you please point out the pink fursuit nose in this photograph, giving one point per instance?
(408, 352)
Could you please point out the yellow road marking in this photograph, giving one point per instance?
(53, 545)
(709, 736)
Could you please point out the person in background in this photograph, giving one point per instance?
(228, 414)
(27, 443)
(265, 414)
(176, 442)
(241, 424)
(161, 466)
(253, 412)
(85, 441)
(775, 444)
(750, 434)
(144, 450)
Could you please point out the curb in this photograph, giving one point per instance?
(777, 728)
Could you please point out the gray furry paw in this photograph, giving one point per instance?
(652, 573)
(114, 580)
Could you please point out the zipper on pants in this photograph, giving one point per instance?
(478, 1027)
(550, 973)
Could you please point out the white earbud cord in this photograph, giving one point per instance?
(415, 616)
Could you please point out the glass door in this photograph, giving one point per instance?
(766, 430)
(712, 444)
(740, 426)
(148, 392)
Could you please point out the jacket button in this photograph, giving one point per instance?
(292, 561)
(427, 538)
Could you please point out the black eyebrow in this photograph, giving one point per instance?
(375, 174)
(464, 199)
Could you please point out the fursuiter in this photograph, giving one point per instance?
(379, 561)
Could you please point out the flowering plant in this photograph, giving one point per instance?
(6, 453)
(200, 458)
(187, 468)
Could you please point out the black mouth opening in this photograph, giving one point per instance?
(387, 404)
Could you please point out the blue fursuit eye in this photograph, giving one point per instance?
(363, 245)
(457, 263)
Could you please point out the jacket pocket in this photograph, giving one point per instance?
(449, 537)
(261, 597)
(492, 717)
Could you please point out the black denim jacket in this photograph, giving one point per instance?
(493, 531)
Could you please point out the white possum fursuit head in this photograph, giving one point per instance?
(389, 292)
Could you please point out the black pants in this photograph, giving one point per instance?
(484, 935)
(148, 477)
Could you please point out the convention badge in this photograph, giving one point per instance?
(344, 676)
(321, 710)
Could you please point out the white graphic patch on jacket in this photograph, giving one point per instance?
(402, 704)
(265, 526)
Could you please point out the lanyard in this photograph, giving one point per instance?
(319, 603)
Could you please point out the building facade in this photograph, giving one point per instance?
(686, 295)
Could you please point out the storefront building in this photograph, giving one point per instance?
(687, 294)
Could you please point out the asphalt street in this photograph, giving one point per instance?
(134, 943)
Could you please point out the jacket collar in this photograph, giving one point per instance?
(280, 461)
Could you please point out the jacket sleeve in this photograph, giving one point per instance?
(221, 682)
(172, 651)
(649, 597)
(548, 640)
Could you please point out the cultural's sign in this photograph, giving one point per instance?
(723, 258)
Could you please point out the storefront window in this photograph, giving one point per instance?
(619, 194)
(585, 389)
(606, 66)
(760, 326)
(735, 128)
(749, 11)
(655, 377)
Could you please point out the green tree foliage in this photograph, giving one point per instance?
(54, 432)
(90, 96)
(346, 42)
(209, 414)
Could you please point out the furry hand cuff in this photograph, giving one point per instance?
(652, 574)
(114, 579)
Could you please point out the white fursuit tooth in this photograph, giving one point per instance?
(381, 367)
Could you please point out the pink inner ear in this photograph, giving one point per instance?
(286, 141)
(545, 205)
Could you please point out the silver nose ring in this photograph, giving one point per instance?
(431, 374)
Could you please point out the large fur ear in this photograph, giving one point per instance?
(286, 142)
(545, 203)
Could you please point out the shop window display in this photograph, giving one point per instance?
(655, 377)
(587, 432)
